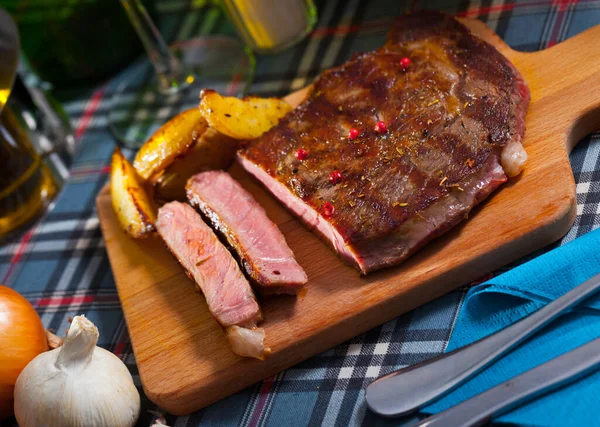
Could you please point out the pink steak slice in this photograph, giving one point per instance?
(261, 247)
(228, 294)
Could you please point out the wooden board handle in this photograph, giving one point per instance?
(566, 77)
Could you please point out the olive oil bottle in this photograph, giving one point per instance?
(29, 129)
(26, 184)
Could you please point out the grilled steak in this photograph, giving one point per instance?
(387, 153)
(262, 249)
(205, 259)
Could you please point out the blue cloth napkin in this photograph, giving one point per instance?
(511, 296)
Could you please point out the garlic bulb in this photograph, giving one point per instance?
(78, 384)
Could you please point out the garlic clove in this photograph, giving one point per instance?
(247, 342)
(160, 420)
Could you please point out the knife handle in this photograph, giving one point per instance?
(542, 379)
(413, 387)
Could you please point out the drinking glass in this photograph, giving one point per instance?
(269, 26)
(171, 79)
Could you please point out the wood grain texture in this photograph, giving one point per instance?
(182, 354)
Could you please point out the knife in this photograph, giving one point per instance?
(411, 388)
(540, 380)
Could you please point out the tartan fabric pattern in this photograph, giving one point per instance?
(60, 263)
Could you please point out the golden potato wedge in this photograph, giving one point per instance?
(173, 139)
(213, 151)
(134, 209)
(246, 118)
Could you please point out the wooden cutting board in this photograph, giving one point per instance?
(182, 354)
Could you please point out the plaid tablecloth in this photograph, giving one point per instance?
(60, 264)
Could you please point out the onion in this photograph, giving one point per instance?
(22, 337)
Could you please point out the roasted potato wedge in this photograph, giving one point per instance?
(246, 118)
(171, 140)
(134, 209)
(213, 151)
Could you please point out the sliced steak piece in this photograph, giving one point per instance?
(205, 259)
(262, 249)
(451, 131)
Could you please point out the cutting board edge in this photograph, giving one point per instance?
(552, 229)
